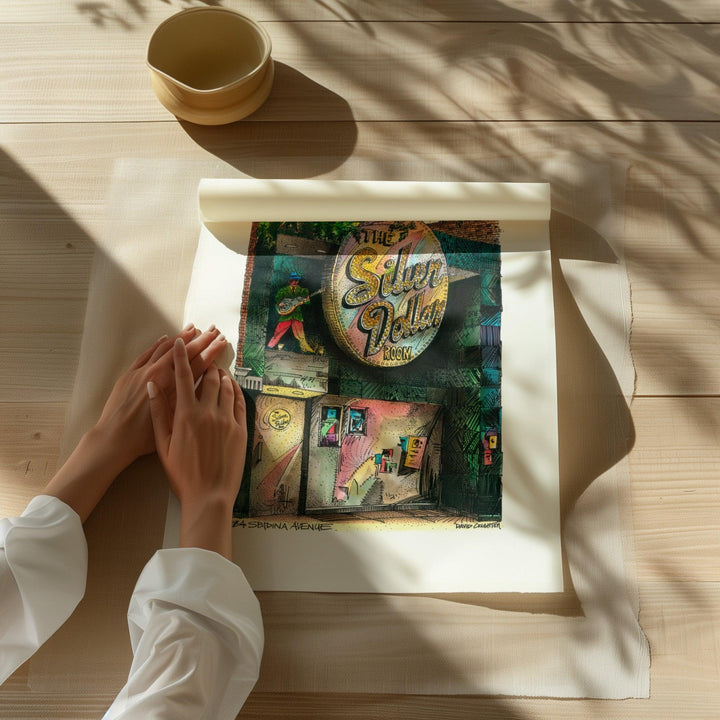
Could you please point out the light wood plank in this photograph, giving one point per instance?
(671, 215)
(49, 275)
(38, 367)
(675, 470)
(131, 14)
(37, 314)
(389, 71)
(31, 436)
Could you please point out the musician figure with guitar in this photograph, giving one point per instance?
(289, 300)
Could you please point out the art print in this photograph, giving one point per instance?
(371, 359)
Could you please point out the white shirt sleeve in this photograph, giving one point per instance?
(197, 639)
(43, 569)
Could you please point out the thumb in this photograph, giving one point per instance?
(160, 416)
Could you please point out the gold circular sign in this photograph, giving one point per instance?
(387, 292)
(279, 418)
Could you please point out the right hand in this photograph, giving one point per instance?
(201, 444)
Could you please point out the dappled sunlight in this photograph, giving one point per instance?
(611, 11)
(615, 103)
(133, 14)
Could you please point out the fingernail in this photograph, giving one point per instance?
(211, 328)
(179, 343)
(151, 390)
(221, 338)
(162, 337)
(189, 326)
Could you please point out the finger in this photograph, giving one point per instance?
(210, 387)
(162, 357)
(208, 355)
(240, 416)
(188, 333)
(227, 396)
(201, 341)
(183, 377)
(160, 416)
(141, 359)
(162, 349)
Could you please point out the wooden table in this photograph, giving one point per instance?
(403, 89)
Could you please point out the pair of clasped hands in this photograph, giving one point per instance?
(174, 400)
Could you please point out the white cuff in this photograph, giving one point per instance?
(43, 569)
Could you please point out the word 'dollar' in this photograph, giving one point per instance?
(388, 293)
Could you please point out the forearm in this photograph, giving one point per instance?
(88, 472)
(207, 524)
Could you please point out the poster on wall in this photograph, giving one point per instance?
(373, 355)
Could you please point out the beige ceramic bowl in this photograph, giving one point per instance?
(210, 66)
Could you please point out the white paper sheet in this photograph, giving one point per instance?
(521, 556)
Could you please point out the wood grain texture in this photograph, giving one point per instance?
(675, 466)
(340, 71)
(130, 14)
(31, 434)
(38, 367)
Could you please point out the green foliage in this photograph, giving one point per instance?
(266, 237)
(333, 233)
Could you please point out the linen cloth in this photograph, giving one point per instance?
(195, 624)
(586, 642)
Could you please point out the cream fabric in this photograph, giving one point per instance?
(584, 643)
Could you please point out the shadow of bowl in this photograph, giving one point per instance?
(283, 138)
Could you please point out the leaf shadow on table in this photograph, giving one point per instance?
(477, 150)
(292, 149)
(129, 14)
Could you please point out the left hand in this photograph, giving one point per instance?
(126, 415)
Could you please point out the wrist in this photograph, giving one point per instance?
(111, 445)
(206, 523)
(86, 475)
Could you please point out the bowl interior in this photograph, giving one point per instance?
(208, 49)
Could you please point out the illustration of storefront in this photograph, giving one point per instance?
(338, 454)
(372, 371)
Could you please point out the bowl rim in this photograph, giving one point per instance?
(209, 10)
(232, 112)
